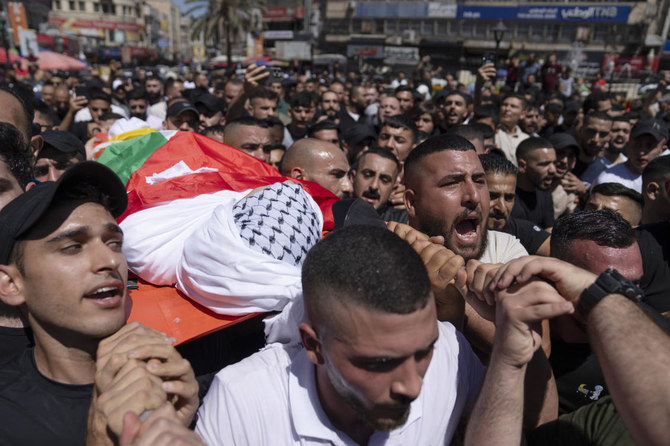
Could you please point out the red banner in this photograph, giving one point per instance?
(629, 64)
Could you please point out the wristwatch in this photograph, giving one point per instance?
(608, 282)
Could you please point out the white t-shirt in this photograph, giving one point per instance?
(622, 175)
(502, 248)
(270, 398)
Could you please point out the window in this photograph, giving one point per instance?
(537, 31)
(82, 6)
(403, 25)
(466, 28)
(96, 7)
(71, 5)
(105, 8)
(602, 33)
(522, 30)
(452, 28)
(391, 26)
(57, 4)
(479, 29)
(567, 32)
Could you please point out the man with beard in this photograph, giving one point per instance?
(209, 110)
(647, 141)
(302, 112)
(329, 106)
(154, 88)
(137, 106)
(614, 150)
(362, 374)
(453, 106)
(535, 178)
(373, 178)
(399, 135)
(567, 150)
(593, 137)
(405, 95)
(501, 182)
(354, 110)
(530, 121)
(446, 195)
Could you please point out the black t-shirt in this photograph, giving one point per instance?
(536, 206)
(661, 232)
(393, 214)
(35, 410)
(655, 281)
(579, 380)
(529, 234)
(14, 341)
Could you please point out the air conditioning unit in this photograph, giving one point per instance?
(395, 40)
(409, 35)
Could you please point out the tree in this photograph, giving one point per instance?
(222, 18)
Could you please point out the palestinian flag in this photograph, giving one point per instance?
(164, 166)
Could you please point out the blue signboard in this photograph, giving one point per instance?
(110, 52)
(581, 13)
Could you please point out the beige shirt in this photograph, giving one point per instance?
(509, 141)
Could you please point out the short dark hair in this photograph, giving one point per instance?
(153, 77)
(340, 269)
(605, 227)
(273, 121)
(402, 88)
(617, 190)
(95, 94)
(657, 169)
(602, 116)
(437, 144)
(247, 120)
(487, 111)
(137, 93)
(530, 145)
(12, 152)
(518, 96)
(496, 164)
(326, 124)
(485, 129)
(263, 93)
(621, 119)
(383, 152)
(110, 115)
(467, 131)
(402, 122)
(302, 99)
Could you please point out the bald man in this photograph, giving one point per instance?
(319, 161)
(251, 136)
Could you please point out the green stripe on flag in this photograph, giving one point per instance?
(126, 157)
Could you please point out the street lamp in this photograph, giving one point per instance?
(498, 34)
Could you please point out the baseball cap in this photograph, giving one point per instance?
(22, 213)
(117, 84)
(64, 142)
(650, 126)
(355, 211)
(356, 133)
(564, 140)
(210, 101)
(178, 108)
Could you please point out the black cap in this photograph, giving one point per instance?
(211, 102)
(64, 142)
(178, 108)
(650, 126)
(562, 140)
(356, 133)
(355, 211)
(571, 107)
(22, 213)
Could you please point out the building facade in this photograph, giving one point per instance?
(458, 33)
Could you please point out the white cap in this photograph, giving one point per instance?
(116, 84)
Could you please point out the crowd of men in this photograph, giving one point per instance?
(501, 275)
